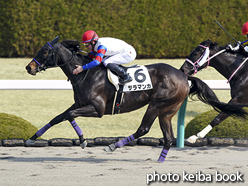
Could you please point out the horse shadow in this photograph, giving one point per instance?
(63, 159)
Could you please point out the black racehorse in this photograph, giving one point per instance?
(94, 94)
(231, 65)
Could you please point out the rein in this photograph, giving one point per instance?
(237, 69)
(81, 79)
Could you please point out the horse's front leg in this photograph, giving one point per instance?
(87, 111)
(70, 115)
(61, 117)
(217, 120)
(236, 99)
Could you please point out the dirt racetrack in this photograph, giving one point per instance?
(128, 166)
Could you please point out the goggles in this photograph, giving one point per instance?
(87, 44)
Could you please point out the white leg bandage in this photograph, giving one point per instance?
(204, 131)
(192, 139)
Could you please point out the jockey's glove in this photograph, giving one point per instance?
(246, 48)
(234, 49)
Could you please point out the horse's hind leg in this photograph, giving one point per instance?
(143, 129)
(165, 125)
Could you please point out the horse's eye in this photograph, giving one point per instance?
(45, 51)
(197, 51)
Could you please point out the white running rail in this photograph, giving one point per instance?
(66, 85)
(35, 85)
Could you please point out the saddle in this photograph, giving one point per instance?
(113, 77)
(141, 81)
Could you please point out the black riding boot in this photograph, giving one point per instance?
(123, 76)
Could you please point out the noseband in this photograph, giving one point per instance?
(203, 59)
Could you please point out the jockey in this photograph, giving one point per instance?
(116, 51)
(244, 32)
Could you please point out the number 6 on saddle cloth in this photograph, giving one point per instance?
(141, 81)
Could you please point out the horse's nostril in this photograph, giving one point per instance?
(28, 68)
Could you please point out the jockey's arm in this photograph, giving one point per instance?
(92, 54)
(91, 64)
(101, 50)
(99, 56)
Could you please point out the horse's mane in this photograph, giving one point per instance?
(72, 45)
(214, 45)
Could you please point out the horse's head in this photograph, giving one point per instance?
(47, 57)
(197, 60)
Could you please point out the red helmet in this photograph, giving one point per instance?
(245, 29)
(89, 36)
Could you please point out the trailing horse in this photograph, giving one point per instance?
(231, 65)
(94, 94)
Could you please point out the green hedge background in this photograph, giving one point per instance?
(15, 127)
(156, 28)
(232, 127)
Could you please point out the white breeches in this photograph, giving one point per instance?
(121, 58)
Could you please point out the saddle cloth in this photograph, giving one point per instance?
(141, 79)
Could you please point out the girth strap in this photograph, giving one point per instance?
(118, 100)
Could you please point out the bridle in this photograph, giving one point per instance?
(196, 64)
(53, 53)
(203, 59)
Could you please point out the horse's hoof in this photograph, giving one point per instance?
(84, 144)
(192, 139)
(110, 148)
(30, 142)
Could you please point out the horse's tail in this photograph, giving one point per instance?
(207, 96)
